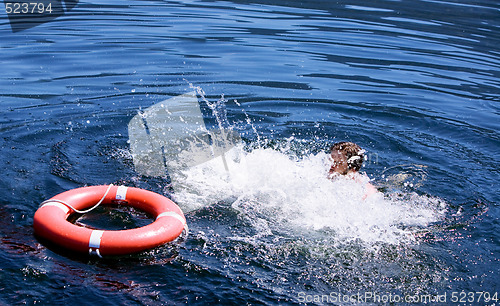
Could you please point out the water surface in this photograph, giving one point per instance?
(415, 83)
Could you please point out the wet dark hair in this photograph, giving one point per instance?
(354, 154)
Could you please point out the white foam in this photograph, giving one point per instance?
(278, 193)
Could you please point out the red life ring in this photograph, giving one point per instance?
(50, 220)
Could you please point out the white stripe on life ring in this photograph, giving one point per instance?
(95, 239)
(171, 214)
(121, 193)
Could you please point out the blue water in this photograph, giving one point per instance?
(415, 83)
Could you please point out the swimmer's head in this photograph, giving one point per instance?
(347, 157)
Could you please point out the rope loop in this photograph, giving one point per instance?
(76, 210)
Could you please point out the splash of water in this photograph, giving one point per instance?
(283, 192)
(286, 195)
